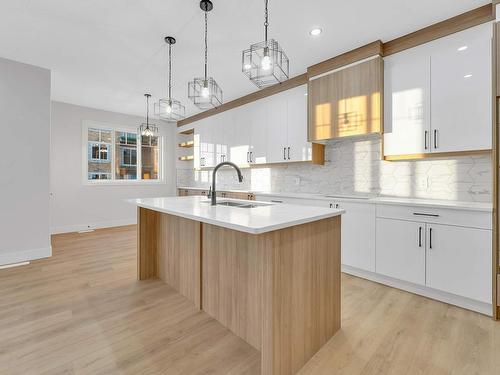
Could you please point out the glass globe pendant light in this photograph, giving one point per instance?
(169, 109)
(147, 129)
(205, 92)
(265, 63)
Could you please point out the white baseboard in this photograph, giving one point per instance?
(452, 299)
(97, 225)
(25, 255)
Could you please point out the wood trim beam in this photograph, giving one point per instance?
(350, 57)
(268, 91)
(450, 26)
(435, 155)
(495, 162)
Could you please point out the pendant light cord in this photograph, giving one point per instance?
(206, 44)
(147, 110)
(266, 22)
(169, 73)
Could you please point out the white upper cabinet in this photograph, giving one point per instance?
(239, 146)
(461, 87)
(221, 136)
(269, 130)
(204, 148)
(438, 96)
(257, 112)
(298, 149)
(407, 102)
(277, 119)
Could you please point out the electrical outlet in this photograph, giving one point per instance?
(297, 180)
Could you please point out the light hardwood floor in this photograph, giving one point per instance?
(83, 312)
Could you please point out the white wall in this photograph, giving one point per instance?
(24, 162)
(76, 206)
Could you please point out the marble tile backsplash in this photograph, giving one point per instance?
(353, 166)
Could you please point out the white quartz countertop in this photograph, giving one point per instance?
(255, 220)
(401, 201)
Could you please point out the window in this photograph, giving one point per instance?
(99, 154)
(120, 155)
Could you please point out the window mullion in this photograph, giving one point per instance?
(139, 157)
(112, 154)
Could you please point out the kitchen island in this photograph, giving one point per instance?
(268, 272)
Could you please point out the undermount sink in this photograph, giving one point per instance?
(229, 203)
(241, 204)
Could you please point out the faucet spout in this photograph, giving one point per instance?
(214, 175)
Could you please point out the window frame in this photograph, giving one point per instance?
(86, 125)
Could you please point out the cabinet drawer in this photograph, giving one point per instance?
(466, 218)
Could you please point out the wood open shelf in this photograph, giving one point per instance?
(187, 132)
(187, 144)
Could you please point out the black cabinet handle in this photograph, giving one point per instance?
(331, 205)
(284, 153)
(430, 238)
(425, 139)
(251, 156)
(422, 214)
(288, 153)
(435, 138)
(419, 236)
(248, 155)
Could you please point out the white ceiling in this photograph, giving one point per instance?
(107, 53)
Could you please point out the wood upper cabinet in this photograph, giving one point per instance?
(438, 96)
(347, 102)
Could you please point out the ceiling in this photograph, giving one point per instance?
(107, 54)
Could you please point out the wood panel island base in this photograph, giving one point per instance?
(275, 284)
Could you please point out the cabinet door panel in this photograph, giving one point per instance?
(360, 103)
(299, 148)
(358, 250)
(323, 110)
(459, 261)
(204, 150)
(462, 90)
(257, 112)
(240, 143)
(220, 130)
(407, 102)
(277, 128)
(401, 250)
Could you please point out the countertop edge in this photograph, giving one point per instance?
(236, 227)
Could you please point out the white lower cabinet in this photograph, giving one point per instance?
(440, 253)
(401, 250)
(435, 248)
(358, 235)
(459, 261)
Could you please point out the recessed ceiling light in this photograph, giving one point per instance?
(316, 31)
(463, 48)
(467, 75)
